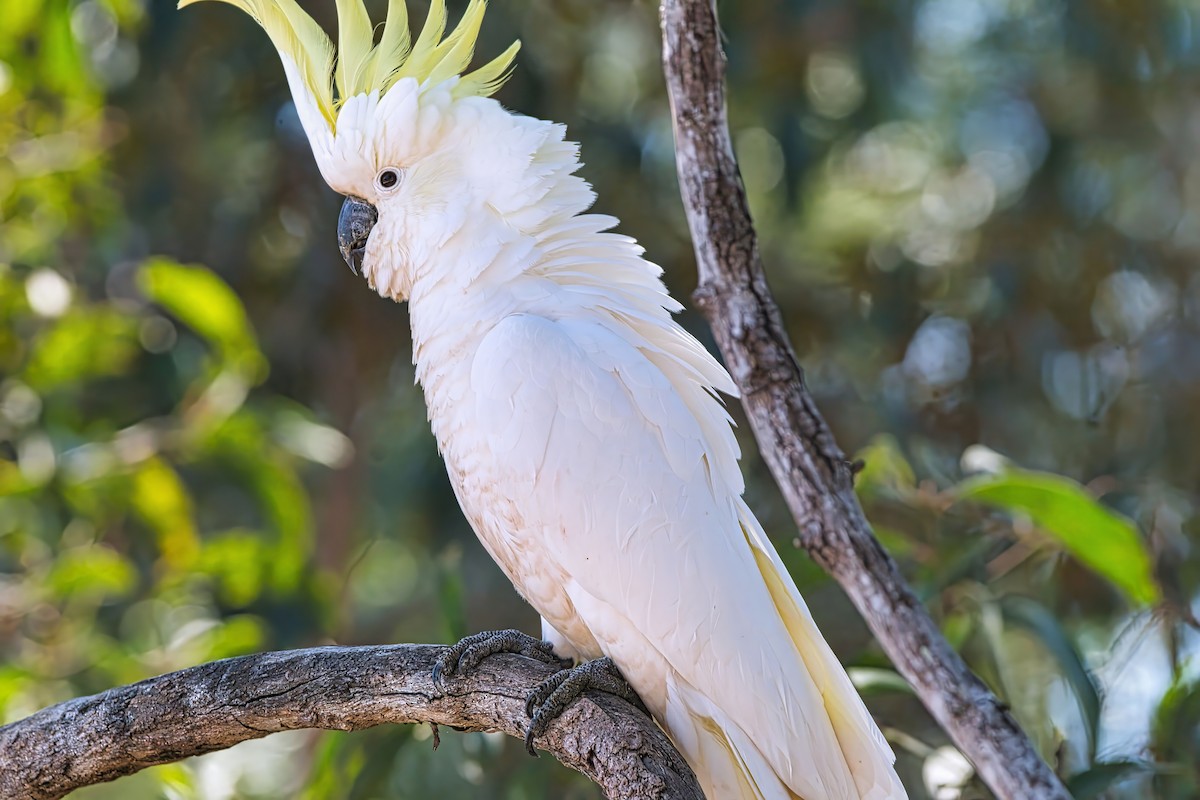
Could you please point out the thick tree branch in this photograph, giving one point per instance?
(797, 445)
(216, 705)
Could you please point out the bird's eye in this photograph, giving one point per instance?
(388, 178)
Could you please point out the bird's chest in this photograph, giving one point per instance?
(504, 509)
(504, 518)
(513, 510)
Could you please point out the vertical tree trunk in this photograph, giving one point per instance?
(795, 442)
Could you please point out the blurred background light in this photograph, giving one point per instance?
(981, 219)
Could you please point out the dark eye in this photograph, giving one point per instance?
(389, 178)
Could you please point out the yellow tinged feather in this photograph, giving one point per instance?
(314, 55)
(362, 66)
(748, 788)
(487, 80)
(451, 57)
(393, 46)
(853, 738)
(418, 65)
(355, 40)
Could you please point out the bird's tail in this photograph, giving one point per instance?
(845, 758)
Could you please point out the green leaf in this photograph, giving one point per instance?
(285, 503)
(236, 636)
(162, 501)
(957, 626)
(12, 480)
(1102, 539)
(894, 540)
(1038, 621)
(87, 343)
(271, 477)
(885, 469)
(14, 683)
(95, 572)
(238, 561)
(1175, 740)
(207, 305)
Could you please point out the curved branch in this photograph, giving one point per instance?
(216, 705)
(813, 473)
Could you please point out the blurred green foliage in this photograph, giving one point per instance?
(980, 216)
(1104, 541)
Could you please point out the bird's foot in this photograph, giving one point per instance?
(552, 696)
(469, 652)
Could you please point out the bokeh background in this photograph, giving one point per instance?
(981, 218)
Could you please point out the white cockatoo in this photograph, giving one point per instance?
(580, 424)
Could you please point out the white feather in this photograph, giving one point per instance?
(583, 434)
(585, 440)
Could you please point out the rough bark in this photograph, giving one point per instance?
(812, 472)
(216, 705)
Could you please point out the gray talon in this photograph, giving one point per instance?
(550, 698)
(544, 691)
(472, 650)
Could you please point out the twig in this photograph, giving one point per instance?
(216, 705)
(795, 441)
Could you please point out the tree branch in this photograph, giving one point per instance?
(795, 441)
(216, 705)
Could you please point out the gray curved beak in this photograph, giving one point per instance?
(355, 222)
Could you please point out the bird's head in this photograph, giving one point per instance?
(388, 121)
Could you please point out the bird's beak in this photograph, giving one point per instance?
(355, 222)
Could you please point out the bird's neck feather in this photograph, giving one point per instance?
(531, 247)
(527, 247)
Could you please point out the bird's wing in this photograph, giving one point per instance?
(612, 468)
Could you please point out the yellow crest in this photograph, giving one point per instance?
(364, 66)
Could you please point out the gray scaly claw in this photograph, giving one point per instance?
(552, 696)
(471, 651)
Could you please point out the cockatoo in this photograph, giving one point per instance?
(580, 424)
